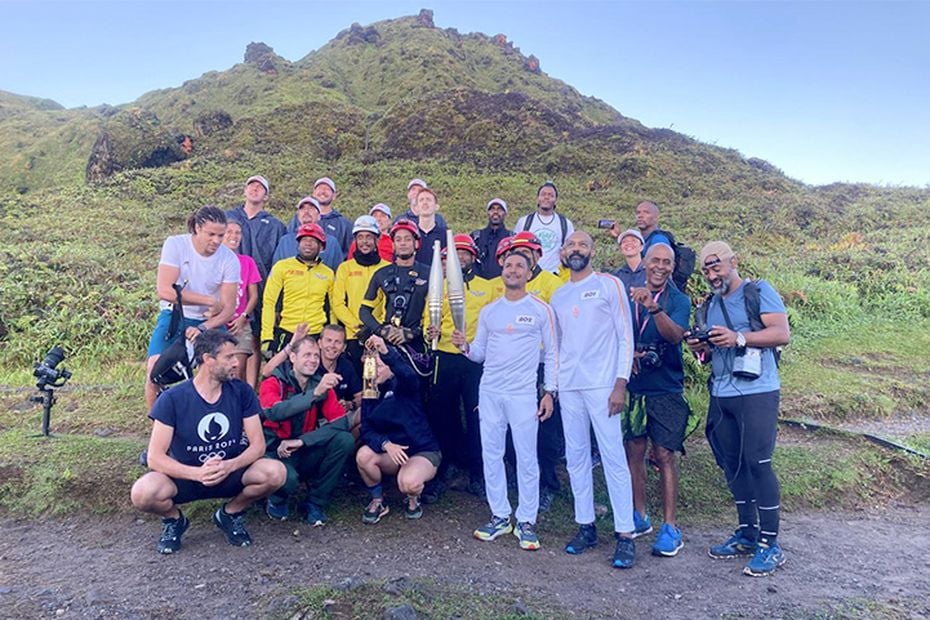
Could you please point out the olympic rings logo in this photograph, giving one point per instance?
(203, 458)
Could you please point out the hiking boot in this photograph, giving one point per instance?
(413, 513)
(668, 542)
(171, 532)
(476, 487)
(766, 559)
(642, 525)
(736, 546)
(526, 534)
(276, 508)
(233, 526)
(497, 526)
(315, 515)
(373, 513)
(545, 500)
(624, 552)
(585, 539)
(432, 492)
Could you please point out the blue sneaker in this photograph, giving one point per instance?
(641, 524)
(766, 559)
(668, 542)
(315, 515)
(526, 534)
(497, 526)
(736, 546)
(277, 509)
(624, 553)
(583, 540)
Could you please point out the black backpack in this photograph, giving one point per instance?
(685, 258)
(176, 362)
(563, 222)
(752, 299)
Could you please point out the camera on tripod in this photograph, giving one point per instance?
(49, 378)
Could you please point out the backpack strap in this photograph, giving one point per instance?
(564, 223)
(529, 221)
(752, 297)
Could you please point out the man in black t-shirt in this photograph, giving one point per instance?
(207, 442)
(333, 359)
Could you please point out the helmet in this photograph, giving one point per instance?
(527, 239)
(408, 225)
(465, 242)
(366, 223)
(312, 230)
(504, 246)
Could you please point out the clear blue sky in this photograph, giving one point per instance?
(830, 91)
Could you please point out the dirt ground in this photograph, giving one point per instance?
(106, 567)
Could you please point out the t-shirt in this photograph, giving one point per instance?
(202, 274)
(669, 377)
(203, 429)
(350, 384)
(595, 334)
(724, 383)
(655, 237)
(249, 275)
(550, 236)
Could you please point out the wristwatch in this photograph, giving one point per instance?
(740, 340)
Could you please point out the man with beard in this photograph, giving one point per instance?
(308, 212)
(399, 289)
(352, 280)
(551, 228)
(381, 213)
(303, 284)
(455, 379)
(197, 449)
(306, 429)
(487, 239)
(657, 410)
(593, 317)
(333, 222)
(511, 332)
(742, 416)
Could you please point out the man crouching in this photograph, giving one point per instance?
(197, 448)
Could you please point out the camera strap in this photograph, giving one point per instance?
(640, 321)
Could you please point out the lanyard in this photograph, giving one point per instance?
(639, 320)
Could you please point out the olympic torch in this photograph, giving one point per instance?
(435, 290)
(455, 284)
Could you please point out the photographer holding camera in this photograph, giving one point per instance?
(657, 410)
(745, 322)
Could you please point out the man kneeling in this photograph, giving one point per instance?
(197, 451)
(306, 428)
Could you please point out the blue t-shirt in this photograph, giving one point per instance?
(653, 238)
(669, 377)
(350, 384)
(203, 429)
(724, 383)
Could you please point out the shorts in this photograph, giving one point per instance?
(191, 490)
(663, 418)
(433, 456)
(245, 339)
(159, 340)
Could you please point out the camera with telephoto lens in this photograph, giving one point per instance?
(651, 357)
(700, 334)
(47, 371)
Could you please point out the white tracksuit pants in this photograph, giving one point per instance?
(582, 409)
(496, 412)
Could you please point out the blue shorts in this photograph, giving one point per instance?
(191, 490)
(159, 341)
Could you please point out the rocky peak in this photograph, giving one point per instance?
(262, 57)
(425, 18)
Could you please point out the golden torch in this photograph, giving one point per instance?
(434, 294)
(455, 284)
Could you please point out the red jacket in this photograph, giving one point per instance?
(385, 248)
(274, 390)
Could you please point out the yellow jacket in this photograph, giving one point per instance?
(478, 293)
(305, 289)
(348, 292)
(543, 285)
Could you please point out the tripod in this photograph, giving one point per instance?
(47, 398)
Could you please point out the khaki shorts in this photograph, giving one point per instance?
(245, 339)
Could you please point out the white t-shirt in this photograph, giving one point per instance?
(508, 339)
(202, 274)
(550, 236)
(595, 328)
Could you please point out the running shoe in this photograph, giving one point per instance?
(736, 546)
(433, 491)
(766, 559)
(497, 526)
(668, 542)
(526, 534)
(642, 525)
(171, 532)
(373, 515)
(585, 539)
(276, 508)
(233, 526)
(315, 515)
(624, 552)
(413, 513)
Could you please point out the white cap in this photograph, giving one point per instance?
(498, 201)
(261, 180)
(327, 181)
(419, 182)
(383, 208)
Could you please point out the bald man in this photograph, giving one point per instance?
(595, 358)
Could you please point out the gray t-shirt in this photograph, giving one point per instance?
(202, 274)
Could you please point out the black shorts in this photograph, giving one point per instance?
(666, 419)
(191, 490)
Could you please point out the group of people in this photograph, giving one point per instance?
(329, 320)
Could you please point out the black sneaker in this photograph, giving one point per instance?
(432, 492)
(476, 487)
(171, 532)
(233, 526)
(545, 500)
(624, 553)
(583, 540)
